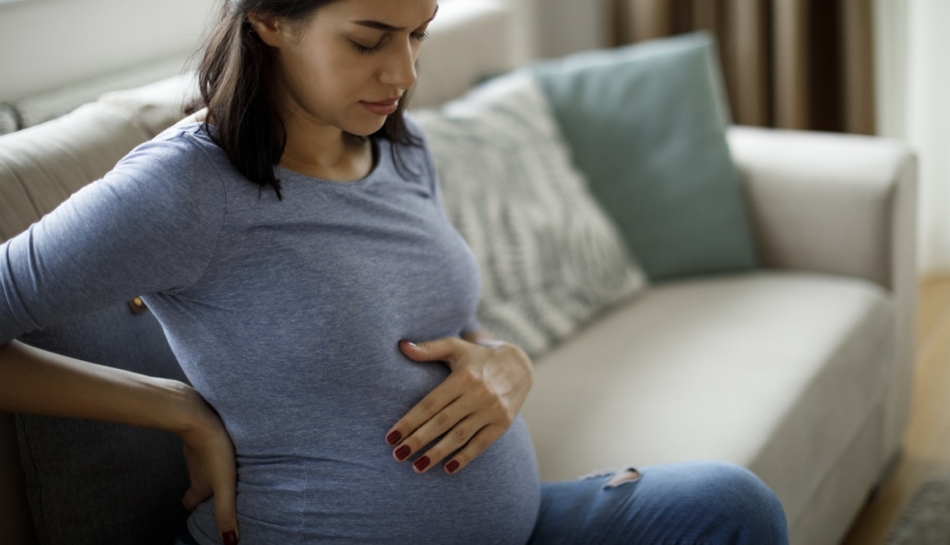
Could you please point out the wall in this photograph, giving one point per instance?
(890, 48)
(566, 26)
(45, 44)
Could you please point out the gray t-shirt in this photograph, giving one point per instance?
(286, 317)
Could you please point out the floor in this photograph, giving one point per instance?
(927, 442)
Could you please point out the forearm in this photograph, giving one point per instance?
(34, 381)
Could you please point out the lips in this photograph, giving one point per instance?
(385, 107)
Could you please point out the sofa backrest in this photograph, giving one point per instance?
(14, 511)
(43, 165)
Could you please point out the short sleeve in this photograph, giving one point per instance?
(150, 225)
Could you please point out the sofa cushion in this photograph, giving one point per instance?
(158, 105)
(96, 482)
(775, 371)
(646, 125)
(550, 258)
(40, 167)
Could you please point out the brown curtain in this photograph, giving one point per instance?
(795, 64)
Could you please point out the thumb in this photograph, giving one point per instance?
(447, 350)
(224, 514)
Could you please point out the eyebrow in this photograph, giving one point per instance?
(389, 28)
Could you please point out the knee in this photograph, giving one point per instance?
(753, 512)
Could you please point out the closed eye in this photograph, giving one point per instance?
(367, 50)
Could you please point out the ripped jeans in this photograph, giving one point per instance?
(693, 503)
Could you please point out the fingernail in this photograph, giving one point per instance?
(414, 345)
(230, 538)
(452, 466)
(422, 463)
(402, 452)
(393, 437)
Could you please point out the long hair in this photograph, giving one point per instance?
(237, 79)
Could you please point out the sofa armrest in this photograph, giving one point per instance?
(833, 203)
(846, 205)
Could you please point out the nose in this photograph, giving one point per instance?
(400, 68)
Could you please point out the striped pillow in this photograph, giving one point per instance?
(550, 258)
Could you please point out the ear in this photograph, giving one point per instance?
(268, 27)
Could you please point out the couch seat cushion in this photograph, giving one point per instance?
(775, 371)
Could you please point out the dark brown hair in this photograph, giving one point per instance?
(237, 79)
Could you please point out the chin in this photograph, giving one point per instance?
(366, 129)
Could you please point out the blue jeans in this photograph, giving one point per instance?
(693, 503)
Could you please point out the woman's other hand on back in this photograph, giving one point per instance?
(212, 469)
(472, 408)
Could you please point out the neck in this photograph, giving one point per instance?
(323, 151)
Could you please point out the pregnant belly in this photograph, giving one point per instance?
(370, 498)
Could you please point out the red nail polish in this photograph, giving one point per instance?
(453, 466)
(393, 437)
(402, 452)
(422, 463)
(230, 538)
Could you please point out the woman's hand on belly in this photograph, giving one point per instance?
(473, 407)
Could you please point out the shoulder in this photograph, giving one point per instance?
(183, 158)
(179, 147)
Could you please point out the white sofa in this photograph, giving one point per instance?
(800, 371)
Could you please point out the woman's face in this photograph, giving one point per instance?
(349, 65)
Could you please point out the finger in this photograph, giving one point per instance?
(193, 497)
(435, 401)
(198, 491)
(224, 510)
(448, 350)
(476, 445)
(455, 439)
(431, 430)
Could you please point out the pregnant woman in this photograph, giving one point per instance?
(293, 246)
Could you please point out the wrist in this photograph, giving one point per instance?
(185, 409)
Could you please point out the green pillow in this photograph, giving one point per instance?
(646, 124)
